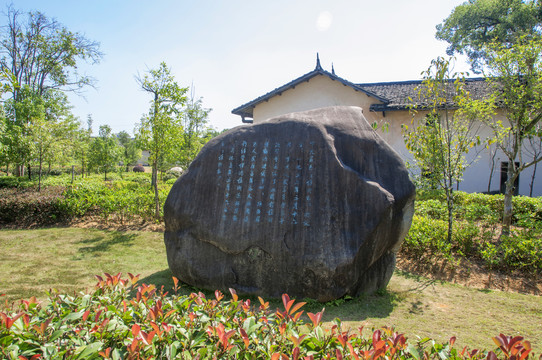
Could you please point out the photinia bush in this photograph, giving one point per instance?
(121, 319)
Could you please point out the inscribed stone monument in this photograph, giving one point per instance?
(313, 204)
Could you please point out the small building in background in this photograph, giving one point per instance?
(390, 103)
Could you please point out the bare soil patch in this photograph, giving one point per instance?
(132, 225)
(472, 274)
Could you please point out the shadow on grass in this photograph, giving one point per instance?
(378, 305)
(104, 243)
(159, 279)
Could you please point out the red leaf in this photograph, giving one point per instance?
(233, 294)
(295, 353)
(286, 301)
(452, 340)
(135, 330)
(297, 307)
(491, 356)
(376, 336)
(156, 328)
(352, 351)
(316, 318)
(86, 314)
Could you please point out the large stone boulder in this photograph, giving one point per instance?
(314, 204)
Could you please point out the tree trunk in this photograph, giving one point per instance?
(491, 171)
(19, 170)
(450, 205)
(39, 173)
(155, 186)
(508, 195)
(29, 172)
(532, 181)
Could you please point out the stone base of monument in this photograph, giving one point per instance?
(313, 204)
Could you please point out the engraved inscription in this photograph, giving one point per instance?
(267, 181)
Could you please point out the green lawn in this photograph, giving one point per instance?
(33, 261)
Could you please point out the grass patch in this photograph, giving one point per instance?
(33, 261)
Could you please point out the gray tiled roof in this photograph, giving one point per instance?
(392, 96)
(398, 93)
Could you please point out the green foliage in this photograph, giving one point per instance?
(439, 143)
(39, 61)
(161, 128)
(427, 239)
(104, 152)
(130, 153)
(474, 24)
(171, 174)
(522, 250)
(195, 132)
(123, 320)
(119, 201)
(515, 76)
(474, 237)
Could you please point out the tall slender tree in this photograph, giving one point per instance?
(515, 75)
(440, 142)
(160, 129)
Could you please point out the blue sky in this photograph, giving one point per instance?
(234, 51)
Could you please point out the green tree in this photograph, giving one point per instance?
(159, 131)
(515, 75)
(194, 122)
(130, 151)
(81, 145)
(439, 145)
(51, 132)
(476, 23)
(41, 56)
(104, 152)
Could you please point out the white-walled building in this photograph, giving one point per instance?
(387, 102)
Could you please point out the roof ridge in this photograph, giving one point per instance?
(412, 82)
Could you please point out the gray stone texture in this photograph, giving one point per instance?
(313, 204)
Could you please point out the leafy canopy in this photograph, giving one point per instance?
(477, 23)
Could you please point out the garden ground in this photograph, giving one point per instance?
(33, 261)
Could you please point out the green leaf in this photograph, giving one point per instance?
(86, 351)
(414, 352)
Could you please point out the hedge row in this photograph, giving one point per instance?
(120, 201)
(123, 320)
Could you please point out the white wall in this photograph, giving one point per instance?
(319, 91)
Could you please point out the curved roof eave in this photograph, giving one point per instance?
(245, 110)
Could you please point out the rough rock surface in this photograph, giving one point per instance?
(313, 204)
